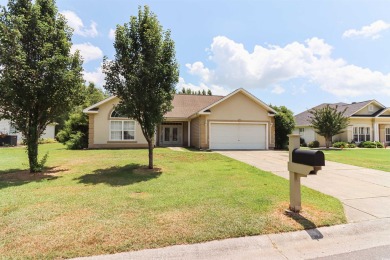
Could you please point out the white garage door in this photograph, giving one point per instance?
(237, 136)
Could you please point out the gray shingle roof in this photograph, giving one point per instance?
(303, 118)
(187, 105)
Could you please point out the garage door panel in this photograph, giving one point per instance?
(237, 136)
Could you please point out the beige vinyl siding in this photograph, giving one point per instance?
(382, 132)
(185, 134)
(365, 111)
(91, 130)
(238, 108)
(195, 132)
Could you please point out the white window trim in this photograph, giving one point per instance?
(358, 133)
(387, 129)
(122, 140)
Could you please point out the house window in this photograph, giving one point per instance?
(361, 134)
(116, 114)
(387, 134)
(370, 108)
(121, 130)
(301, 131)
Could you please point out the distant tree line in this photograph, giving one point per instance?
(189, 91)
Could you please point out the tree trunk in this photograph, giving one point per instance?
(32, 149)
(328, 141)
(150, 144)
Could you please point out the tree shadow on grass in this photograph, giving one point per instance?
(308, 225)
(18, 177)
(120, 176)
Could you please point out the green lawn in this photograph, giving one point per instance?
(104, 201)
(369, 158)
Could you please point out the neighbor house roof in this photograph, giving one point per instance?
(303, 118)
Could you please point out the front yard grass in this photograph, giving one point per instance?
(105, 201)
(378, 159)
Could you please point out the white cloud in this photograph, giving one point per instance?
(268, 66)
(96, 77)
(77, 24)
(88, 51)
(111, 34)
(369, 31)
(216, 90)
(278, 90)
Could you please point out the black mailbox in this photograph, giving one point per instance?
(308, 157)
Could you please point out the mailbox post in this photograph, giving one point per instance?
(301, 163)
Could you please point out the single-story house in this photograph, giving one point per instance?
(368, 121)
(7, 128)
(236, 121)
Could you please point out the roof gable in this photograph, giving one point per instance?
(246, 93)
(94, 109)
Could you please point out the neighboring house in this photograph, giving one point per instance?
(6, 127)
(236, 121)
(368, 121)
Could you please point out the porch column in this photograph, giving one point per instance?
(376, 132)
(189, 133)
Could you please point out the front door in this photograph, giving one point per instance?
(171, 135)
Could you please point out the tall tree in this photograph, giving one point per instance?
(328, 121)
(144, 72)
(284, 125)
(39, 77)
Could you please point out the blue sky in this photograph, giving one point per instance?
(293, 53)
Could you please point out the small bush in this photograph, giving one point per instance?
(41, 164)
(369, 144)
(47, 141)
(314, 144)
(302, 142)
(340, 145)
(351, 145)
(77, 141)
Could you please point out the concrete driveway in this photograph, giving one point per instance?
(365, 193)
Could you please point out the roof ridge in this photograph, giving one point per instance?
(181, 94)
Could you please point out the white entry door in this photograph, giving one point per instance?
(237, 136)
(172, 135)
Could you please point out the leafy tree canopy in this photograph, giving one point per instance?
(284, 125)
(144, 72)
(74, 133)
(189, 91)
(328, 121)
(40, 79)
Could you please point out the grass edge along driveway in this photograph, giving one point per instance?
(378, 159)
(94, 202)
